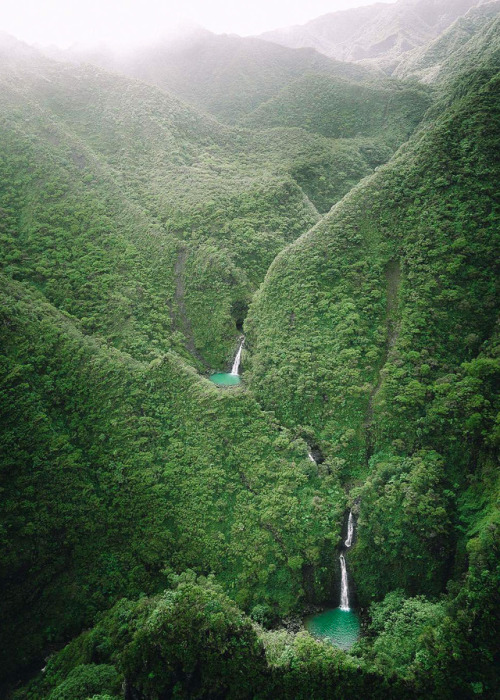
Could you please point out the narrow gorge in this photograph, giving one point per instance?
(250, 359)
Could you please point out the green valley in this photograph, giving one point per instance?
(249, 416)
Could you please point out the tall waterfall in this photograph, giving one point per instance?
(350, 530)
(344, 586)
(236, 364)
(309, 454)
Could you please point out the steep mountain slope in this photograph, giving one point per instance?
(328, 33)
(469, 40)
(262, 86)
(377, 329)
(227, 76)
(379, 34)
(118, 460)
(134, 230)
(129, 170)
(388, 195)
(116, 473)
(89, 152)
(116, 203)
(386, 112)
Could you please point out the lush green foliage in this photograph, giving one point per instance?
(341, 109)
(115, 471)
(468, 41)
(172, 519)
(411, 548)
(193, 642)
(225, 75)
(358, 326)
(396, 630)
(378, 330)
(106, 182)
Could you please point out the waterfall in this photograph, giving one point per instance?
(309, 454)
(344, 582)
(350, 530)
(344, 586)
(237, 359)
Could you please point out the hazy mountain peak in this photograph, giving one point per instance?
(14, 48)
(378, 33)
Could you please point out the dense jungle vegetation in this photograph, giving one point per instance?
(157, 530)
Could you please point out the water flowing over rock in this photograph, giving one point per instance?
(344, 585)
(350, 530)
(236, 364)
(309, 454)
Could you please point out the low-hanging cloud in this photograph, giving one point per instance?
(126, 22)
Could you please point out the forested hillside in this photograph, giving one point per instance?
(134, 230)
(225, 75)
(377, 35)
(118, 156)
(469, 40)
(378, 330)
(163, 537)
(118, 472)
(387, 111)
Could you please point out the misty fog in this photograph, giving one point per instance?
(123, 23)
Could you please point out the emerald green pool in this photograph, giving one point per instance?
(225, 379)
(340, 627)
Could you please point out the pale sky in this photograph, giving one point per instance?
(123, 22)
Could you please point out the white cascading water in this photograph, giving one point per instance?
(344, 586)
(236, 364)
(350, 530)
(309, 454)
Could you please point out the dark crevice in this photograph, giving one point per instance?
(239, 311)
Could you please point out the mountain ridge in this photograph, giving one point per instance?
(225, 75)
(165, 537)
(378, 34)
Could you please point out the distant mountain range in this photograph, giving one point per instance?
(230, 77)
(378, 34)
(227, 76)
(470, 39)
